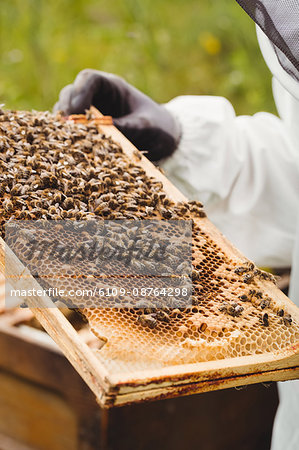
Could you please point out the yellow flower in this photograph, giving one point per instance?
(210, 43)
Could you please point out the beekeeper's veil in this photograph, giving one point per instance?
(279, 20)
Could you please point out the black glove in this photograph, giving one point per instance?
(148, 125)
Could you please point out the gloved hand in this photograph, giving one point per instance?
(148, 125)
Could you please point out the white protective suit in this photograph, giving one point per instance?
(246, 171)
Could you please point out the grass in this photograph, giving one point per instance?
(165, 48)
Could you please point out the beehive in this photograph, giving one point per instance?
(236, 310)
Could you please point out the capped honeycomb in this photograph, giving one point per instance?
(53, 169)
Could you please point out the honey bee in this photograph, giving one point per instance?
(238, 310)
(52, 210)
(147, 321)
(71, 214)
(91, 173)
(8, 205)
(166, 214)
(37, 203)
(167, 202)
(137, 154)
(64, 214)
(2, 189)
(112, 204)
(23, 215)
(267, 276)
(3, 164)
(223, 307)
(145, 307)
(265, 319)
(252, 293)
(162, 315)
(161, 196)
(53, 182)
(240, 270)
(182, 209)
(247, 267)
(108, 181)
(248, 278)
(235, 310)
(27, 235)
(287, 319)
(68, 203)
(257, 272)
(196, 203)
(17, 189)
(265, 303)
(57, 197)
(36, 213)
(25, 172)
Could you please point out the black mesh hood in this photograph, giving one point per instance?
(279, 20)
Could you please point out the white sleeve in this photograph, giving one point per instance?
(246, 171)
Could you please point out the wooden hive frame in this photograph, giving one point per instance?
(119, 389)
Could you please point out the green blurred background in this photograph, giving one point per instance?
(164, 47)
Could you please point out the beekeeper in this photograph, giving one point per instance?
(244, 168)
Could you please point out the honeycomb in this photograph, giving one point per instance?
(52, 169)
(206, 331)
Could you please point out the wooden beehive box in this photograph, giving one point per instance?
(44, 403)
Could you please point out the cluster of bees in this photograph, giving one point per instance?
(55, 169)
(145, 249)
(113, 270)
(149, 315)
(256, 297)
(250, 272)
